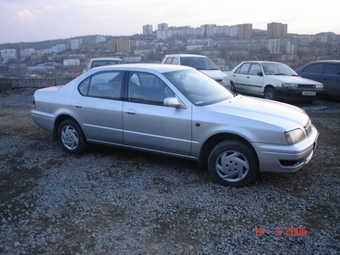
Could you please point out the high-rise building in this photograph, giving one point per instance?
(245, 31)
(147, 30)
(123, 45)
(162, 27)
(276, 30)
(76, 44)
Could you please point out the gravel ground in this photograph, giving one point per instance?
(115, 201)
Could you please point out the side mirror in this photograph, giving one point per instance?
(259, 73)
(173, 102)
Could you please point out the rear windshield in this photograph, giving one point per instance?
(199, 63)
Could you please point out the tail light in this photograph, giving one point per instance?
(33, 102)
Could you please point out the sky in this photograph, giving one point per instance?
(39, 20)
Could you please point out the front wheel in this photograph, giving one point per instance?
(71, 136)
(232, 87)
(270, 93)
(232, 163)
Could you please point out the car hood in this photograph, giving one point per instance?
(260, 119)
(215, 74)
(275, 112)
(293, 79)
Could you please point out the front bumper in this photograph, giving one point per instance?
(287, 158)
(298, 94)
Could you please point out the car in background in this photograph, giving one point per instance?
(325, 71)
(273, 80)
(201, 63)
(95, 62)
(177, 111)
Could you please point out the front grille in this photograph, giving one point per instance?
(306, 86)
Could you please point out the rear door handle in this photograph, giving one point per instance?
(78, 106)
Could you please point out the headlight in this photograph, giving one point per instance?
(289, 85)
(294, 136)
(226, 81)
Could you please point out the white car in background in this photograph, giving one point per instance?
(273, 80)
(95, 62)
(201, 63)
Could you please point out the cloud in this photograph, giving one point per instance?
(25, 15)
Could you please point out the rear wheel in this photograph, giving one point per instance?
(71, 136)
(232, 163)
(270, 93)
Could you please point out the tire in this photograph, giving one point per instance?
(71, 136)
(232, 163)
(232, 87)
(270, 93)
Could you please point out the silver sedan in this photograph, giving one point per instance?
(178, 111)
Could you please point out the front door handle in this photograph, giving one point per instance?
(130, 112)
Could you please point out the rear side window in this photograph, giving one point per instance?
(103, 85)
(332, 69)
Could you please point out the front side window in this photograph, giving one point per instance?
(254, 69)
(168, 60)
(147, 88)
(314, 68)
(243, 69)
(332, 69)
(103, 85)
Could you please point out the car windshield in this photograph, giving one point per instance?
(277, 69)
(200, 63)
(198, 88)
(106, 62)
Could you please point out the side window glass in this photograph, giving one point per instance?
(84, 86)
(315, 68)
(175, 61)
(254, 69)
(244, 68)
(168, 60)
(106, 85)
(147, 88)
(332, 69)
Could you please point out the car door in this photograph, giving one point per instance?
(98, 107)
(148, 124)
(254, 81)
(331, 79)
(239, 77)
(313, 71)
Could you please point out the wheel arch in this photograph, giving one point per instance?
(267, 87)
(212, 141)
(57, 122)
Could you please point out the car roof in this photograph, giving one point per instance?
(261, 62)
(161, 68)
(104, 58)
(324, 61)
(186, 55)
